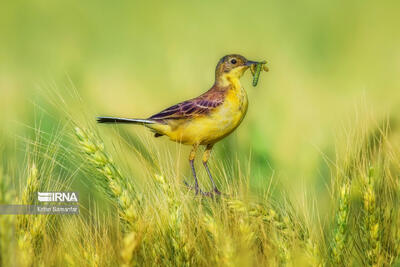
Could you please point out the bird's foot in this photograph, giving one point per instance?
(214, 192)
(195, 188)
(198, 191)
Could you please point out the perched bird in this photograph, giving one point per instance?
(206, 119)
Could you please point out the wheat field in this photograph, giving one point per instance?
(152, 219)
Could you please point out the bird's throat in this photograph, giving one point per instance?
(229, 81)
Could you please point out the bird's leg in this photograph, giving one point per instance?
(206, 156)
(191, 161)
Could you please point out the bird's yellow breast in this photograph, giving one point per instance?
(212, 127)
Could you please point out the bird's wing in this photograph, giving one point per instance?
(191, 108)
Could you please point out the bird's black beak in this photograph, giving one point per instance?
(249, 63)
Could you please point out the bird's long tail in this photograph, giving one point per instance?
(123, 120)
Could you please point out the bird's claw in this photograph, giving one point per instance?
(214, 192)
(195, 188)
(211, 194)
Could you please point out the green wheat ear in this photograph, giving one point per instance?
(340, 236)
(116, 184)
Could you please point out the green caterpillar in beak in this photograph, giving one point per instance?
(256, 70)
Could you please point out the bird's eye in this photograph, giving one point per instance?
(233, 61)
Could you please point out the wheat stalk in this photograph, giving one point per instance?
(222, 244)
(176, 221)
(30, 228)
(280, 225)
(7, 194)
(340, 236)
(371, 225)
(131, 241)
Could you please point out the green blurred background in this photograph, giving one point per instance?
(134, 58)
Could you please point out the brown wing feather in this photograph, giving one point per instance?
(190, 108)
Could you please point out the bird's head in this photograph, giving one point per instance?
(231, 67)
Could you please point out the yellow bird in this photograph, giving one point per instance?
(206, 119)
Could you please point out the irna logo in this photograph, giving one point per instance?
(58, 196)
